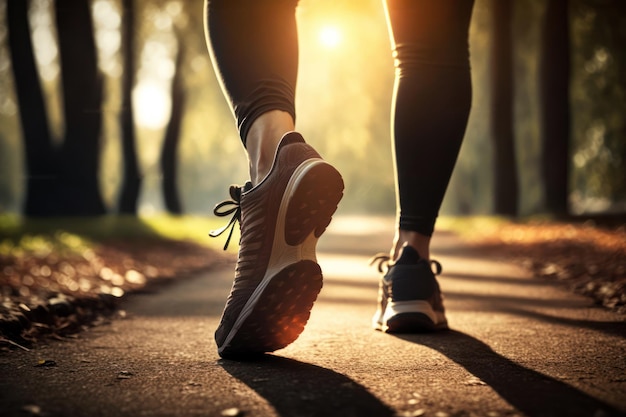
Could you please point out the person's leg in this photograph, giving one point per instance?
(293, 192)
(262, 141)
(432, 100)
(254, 50)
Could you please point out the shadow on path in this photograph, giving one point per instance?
(613, 328)
(297, 388)
(529, 391)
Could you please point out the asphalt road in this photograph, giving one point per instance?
(519, 346)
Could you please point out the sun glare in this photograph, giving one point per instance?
(152, 105)
(330, 37)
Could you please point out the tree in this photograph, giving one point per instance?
(505, 166)
(554, 73)
(61, 180)
(172, 135)
(131, 181)
(40, 154)
(82, 105)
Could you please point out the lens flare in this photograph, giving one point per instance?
(329, 37)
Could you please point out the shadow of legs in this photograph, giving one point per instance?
(528, 391)
(297, 388)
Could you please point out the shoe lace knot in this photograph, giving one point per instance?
(382, 261)
(228, 207)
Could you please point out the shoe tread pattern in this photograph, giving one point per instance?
(281, 313)
(313, 203)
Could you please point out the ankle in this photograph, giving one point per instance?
(262, 141)
(261, 162)
(421, 243)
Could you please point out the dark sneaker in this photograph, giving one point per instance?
(409, 296)
(277, 277)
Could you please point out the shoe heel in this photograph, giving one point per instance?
(313, 203)
(410, 323)
(416, 316)
(279, 314)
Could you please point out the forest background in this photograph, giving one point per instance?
(112, 106)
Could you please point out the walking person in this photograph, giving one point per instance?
(292, 192)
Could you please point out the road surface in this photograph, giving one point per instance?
(519, 346)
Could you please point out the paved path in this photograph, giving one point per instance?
(520, 346)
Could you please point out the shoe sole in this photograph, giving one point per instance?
(415, 316)
(280, 306)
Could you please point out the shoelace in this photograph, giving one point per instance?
(383, 262)
(228, 207)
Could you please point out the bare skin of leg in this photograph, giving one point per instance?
(420, 242)
(262, 140)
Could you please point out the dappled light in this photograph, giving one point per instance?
(107, 20)
(44, 40)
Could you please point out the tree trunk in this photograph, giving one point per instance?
(82, 100)
(554, 72)
(131, 182)
(41, 169)
(505, 166)
(172, 137)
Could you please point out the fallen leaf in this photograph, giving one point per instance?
(46, 363)
(474, 382)
(414, 413)
(32, 409)
(232, 412)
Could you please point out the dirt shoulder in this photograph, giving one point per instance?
(55, 295)
(588, 259)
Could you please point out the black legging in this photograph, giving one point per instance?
(255, 52)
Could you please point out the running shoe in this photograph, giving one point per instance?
(277, 278)
(409, 298)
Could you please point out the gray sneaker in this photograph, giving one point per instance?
(277, 277)
(409, 298)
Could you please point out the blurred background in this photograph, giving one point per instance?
(112, 106)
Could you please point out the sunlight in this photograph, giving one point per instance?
(152, 105)
(107, 21)
(44, 40)
(330, 37)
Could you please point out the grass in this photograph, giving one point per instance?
(478, 227)
(22, 236)
(471, 226)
